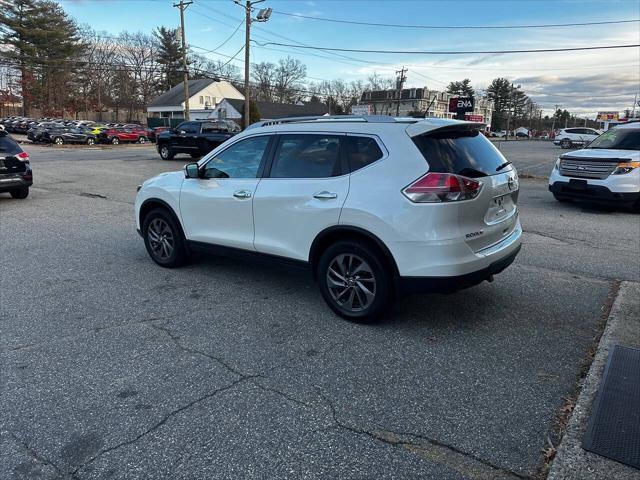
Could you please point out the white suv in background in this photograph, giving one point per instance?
(374, 206)
(607, 171)
(570, 137)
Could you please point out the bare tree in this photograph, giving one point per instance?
(290, 74)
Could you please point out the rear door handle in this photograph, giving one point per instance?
(242, 194)
(324, 195)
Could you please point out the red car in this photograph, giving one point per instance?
(123, 135)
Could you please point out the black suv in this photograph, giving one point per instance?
(16, 175)
(196, 138)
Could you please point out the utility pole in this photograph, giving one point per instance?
(263, 16)
(399, 83)
(183, 6)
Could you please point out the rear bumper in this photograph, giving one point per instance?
(594, 193)
(11, 182)
(451, 284)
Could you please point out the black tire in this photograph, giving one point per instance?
(178, 255)
(20, 193)
(115, 141)
(636, 206)
(561, 198)
(565, 143)
(165, 152)
(382, 282)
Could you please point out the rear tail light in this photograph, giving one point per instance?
(442, 187)
(24, 156)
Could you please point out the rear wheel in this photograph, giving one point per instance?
(353, 282)
(165, 152)
(20, 193)
(58, 140)
(142, 139)
(115, 140)
(163, 239)
(91, 141)
(566, 143)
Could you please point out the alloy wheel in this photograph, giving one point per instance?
(160, 238)
(59, 141)
(351, 282)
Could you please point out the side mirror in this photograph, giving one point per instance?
(191, 170)
(181, 132)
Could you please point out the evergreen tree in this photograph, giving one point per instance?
(43, 44)
(169, 56)
(463, 88)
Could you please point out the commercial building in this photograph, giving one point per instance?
(421, 101)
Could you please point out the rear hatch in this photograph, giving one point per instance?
(461, 149)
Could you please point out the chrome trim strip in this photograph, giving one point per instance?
(504, 243)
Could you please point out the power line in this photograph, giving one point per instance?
(447, 52)
(453, 27)
(229, 37)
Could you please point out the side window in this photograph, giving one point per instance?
(240, 160)
(190, 127)
(307, 156)
(210, 127)
(362, 151)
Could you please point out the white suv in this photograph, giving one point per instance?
(607, 171)
(570, 137)
(374, 206)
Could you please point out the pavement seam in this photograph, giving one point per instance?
(402, 439)
(574, 241)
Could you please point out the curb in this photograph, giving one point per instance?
(572, 462)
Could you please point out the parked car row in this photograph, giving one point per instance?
(51, 130)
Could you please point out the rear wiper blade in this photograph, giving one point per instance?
(504, 165)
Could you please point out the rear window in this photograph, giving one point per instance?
(8, 146)
(463, 152)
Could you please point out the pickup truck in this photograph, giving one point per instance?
(195, 138)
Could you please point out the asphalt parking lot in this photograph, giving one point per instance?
(115, 368)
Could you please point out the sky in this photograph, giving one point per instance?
(583, 82)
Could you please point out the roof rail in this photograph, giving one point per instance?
(328, 118)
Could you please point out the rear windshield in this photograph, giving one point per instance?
(619, 139)
(463, 152)
(8, 146)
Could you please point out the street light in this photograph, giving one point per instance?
(263, 16)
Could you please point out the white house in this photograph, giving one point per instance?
(204, 95)
(232, 109)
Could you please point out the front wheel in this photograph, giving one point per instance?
(165, 152)
(58, 140)
(115, 141)
(91, 141)
(142, 139)
(566, 143)
(163, 239)
(20, 193)
(353, 281)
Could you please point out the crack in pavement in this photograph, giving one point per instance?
(161, 422)
(447, 455)
(573, 241)
(41, 459)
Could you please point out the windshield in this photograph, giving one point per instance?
(463, 152)
(618, 139)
